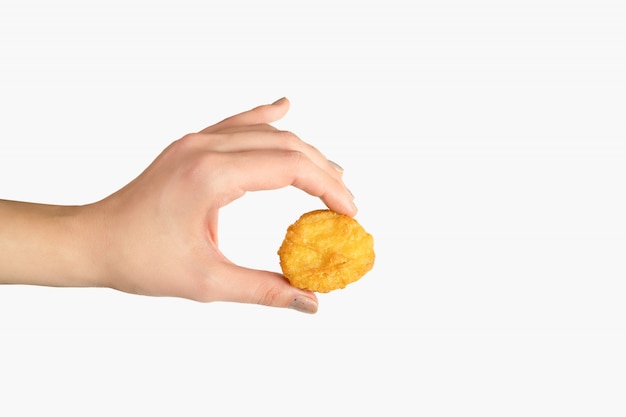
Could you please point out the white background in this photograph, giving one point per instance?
(485, 142)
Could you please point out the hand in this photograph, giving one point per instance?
(158, 234)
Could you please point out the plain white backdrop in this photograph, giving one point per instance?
(485, 142)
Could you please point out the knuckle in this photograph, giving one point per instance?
(294, 158)
(288, 139)
(197, 140)
(185, 144)
(188, 139)
(198, 167)
(291, 141)
(268, 295)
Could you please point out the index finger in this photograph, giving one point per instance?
(270, 169)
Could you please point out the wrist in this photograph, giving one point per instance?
(48, 245)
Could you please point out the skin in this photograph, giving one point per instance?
(157, 236)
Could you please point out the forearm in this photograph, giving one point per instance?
(45, 245)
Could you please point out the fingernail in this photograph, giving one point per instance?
(278, 101)
(336, 166)
(304, 305)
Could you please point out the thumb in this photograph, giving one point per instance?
(267, 288)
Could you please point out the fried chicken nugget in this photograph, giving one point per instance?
(324, 251)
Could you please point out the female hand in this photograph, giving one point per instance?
(158, 235)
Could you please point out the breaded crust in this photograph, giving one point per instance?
(324, 251)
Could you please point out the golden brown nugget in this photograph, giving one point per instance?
(324, 251)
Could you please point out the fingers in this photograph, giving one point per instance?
(244, 285)
(265, 114)
(261, 135)
(266, 137)
(273, 169)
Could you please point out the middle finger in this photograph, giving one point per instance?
(265, 137)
